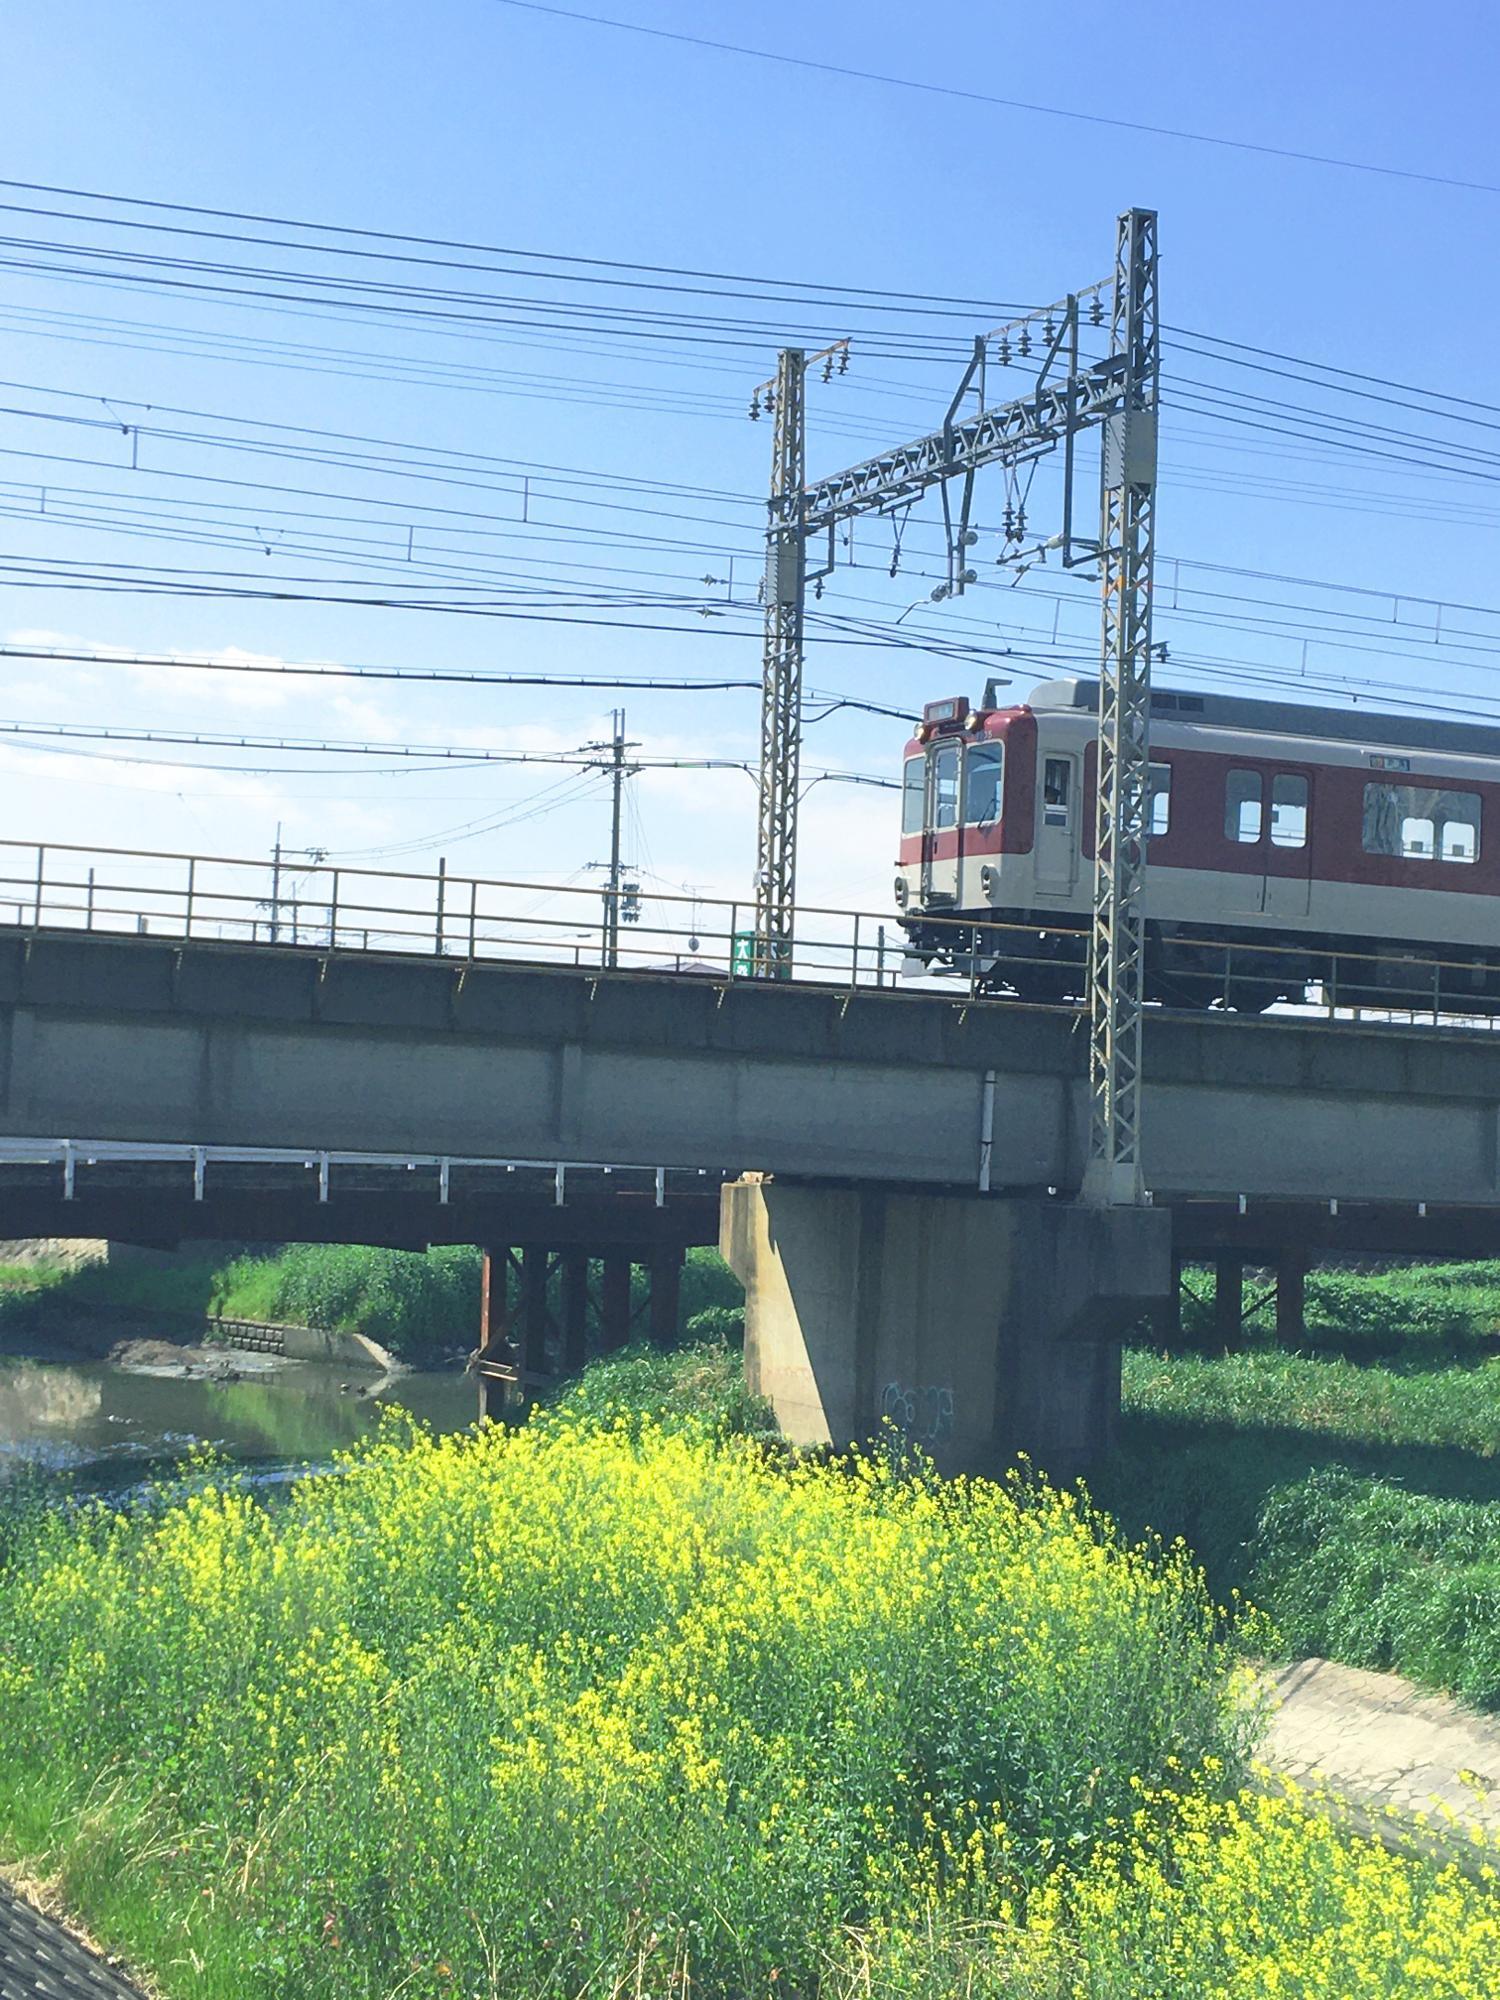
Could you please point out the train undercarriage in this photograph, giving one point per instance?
(1042, 958)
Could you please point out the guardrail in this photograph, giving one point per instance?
(333, 908)
(435, 1173)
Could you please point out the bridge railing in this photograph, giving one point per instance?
(335, 908)
(339, 908)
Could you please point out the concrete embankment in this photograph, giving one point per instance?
(1414, 1768)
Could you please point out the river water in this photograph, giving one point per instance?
(97, 1427)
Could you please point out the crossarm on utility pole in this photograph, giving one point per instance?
(1007, 434)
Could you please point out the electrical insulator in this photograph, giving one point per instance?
(968, 538)
(968, 576)
(755, 406)
(828, 368)
(1004, 350)
(1023, 342)
(843, 361)
(1096, 311)
(1008, 525)
(1049, 329)
(939, 592)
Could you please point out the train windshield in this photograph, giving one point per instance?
(982, 776)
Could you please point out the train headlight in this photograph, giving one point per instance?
(988, 880)
(903, 892)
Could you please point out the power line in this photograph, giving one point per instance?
(1005, 103)
(501, 250)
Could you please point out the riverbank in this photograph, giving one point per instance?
(610, 1704)
(421, 1307)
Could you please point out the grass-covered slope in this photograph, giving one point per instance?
(524, 1700)
(1358, 1504)
(619, 1708)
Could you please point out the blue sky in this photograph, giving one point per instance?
(473, 119)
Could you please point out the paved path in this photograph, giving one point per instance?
(39, 1961)
(1381, 1742)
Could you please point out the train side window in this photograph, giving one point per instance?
(1421, 823)
(1242, 801)
(945, 785)
(1416, 839)
(913, 793)
(1159, 792)
(1288, 810)
(1458, 826)
(982, 774)
(1057, 790)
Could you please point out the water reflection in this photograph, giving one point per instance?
(106, 1426)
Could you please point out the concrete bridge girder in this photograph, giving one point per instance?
(144, 1039)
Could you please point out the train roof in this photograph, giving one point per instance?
(1287, 718)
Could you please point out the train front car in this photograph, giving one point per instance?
(990, 883)
(1291, 847)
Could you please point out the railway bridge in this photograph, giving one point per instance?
(890, 1171)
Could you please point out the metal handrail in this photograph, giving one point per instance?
(460, 916)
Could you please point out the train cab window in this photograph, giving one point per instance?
(1242, 806)
(913, 793)
(1159, 791)
(982, 777)
(1288, 810)
(945, 785)
(1057, 790)
(1421, 823)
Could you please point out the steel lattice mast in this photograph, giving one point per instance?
(781, 687)
(1126, 548)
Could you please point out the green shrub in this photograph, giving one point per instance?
(419, 1304)
(564, 1709)
(698, 1386)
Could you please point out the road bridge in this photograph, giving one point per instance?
(914, 1251)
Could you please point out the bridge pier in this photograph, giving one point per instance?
(1229, 1302)
(534, 1313)
(1291, 1293)
(982, 1326)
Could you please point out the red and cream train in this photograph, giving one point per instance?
(1348, 848)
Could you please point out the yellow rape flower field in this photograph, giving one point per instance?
(601, 1707)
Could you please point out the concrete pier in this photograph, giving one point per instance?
(981, 1326)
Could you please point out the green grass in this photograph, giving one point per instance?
(1357, 1505)
(1411, 1311)
(1450, 1406)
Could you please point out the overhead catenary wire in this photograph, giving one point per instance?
(789, 59)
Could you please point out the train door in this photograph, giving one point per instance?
(940, 824)
(1289, 845)
(1268, 820)
(1057, 843)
